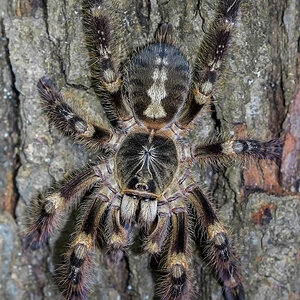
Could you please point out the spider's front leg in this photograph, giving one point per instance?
(210, 59)
(118, 231)
(176, 284)
(44, 214)
(102, 41)
(76, 272)
(220, 251)
(67, 121)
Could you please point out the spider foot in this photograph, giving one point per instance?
(41, 219)
(234, 293)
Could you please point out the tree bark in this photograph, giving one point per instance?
(257, 96)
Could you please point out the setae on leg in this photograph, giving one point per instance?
(44, 215)
(219, 249)
(67, 121)
(176, 284)
(76, 271)
(102, 40)
(210, 59)
(222, 152)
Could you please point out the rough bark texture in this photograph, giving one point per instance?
(258, 95)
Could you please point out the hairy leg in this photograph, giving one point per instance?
(102, 41)
(164, 34)
(44, 214)
(220, 252)
(118, 233)
(210, 59)
(76, 272)
(68, 122)
(158, 233)
(222, 152)
(176, 284)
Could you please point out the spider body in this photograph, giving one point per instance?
(146, 164)
(143, 173)
(158, 83)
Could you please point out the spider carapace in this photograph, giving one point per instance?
(146, 164)
(143, 174)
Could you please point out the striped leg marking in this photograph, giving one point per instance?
(64, 118)
(45, 215)
(104, 58)
(176, 284)
(118, 233)
(223, 152)
(220, 252)
(209, 62)
(78, 262)
(158, 235)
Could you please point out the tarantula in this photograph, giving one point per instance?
(143, 173)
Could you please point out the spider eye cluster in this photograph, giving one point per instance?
(142, 186)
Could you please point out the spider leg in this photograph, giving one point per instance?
(75, 272)
(106, 78)
(223, 151)
(122, 214)
(219, 249)
(209, 62)
(176, 284)
(66, 120)
(46, 213)
(236, 293)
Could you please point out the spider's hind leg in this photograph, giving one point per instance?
(210, 60)
(102, 40)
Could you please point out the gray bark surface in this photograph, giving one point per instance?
(256, 96)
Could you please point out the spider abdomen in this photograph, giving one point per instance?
(145, 164)
(158, 82)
